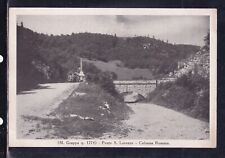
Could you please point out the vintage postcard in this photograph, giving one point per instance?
(112, 77)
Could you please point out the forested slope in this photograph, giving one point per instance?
(45, 58)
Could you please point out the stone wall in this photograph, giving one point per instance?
(138, 86)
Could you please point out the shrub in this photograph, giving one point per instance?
(104, 79)
(193, 82)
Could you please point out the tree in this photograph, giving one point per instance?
(207, 42)
(115, 40)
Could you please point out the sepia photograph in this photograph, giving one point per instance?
(112, 77)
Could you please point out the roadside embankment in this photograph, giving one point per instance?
(189, 95)
(88, 113)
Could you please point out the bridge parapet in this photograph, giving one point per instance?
(117, 82)
(163, 80)
(143, 87)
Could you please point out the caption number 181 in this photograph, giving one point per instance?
(60, 142)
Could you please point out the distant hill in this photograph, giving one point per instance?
(122, 73)
(46, 58)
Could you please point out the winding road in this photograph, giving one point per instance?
(148, 121)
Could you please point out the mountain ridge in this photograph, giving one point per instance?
(61, 53)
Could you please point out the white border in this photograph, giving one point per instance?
(14, 142)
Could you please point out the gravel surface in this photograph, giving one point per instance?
(150, 121)
(39, 103)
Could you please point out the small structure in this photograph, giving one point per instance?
(77, 76)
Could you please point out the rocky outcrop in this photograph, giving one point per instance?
(198, 63)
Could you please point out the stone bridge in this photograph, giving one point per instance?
(142, 87)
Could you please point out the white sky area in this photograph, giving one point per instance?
(176, 29)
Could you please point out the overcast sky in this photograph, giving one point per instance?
(176, 29)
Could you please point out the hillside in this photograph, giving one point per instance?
(122, 73)
(190, 92)
(47, 58)
(197, 63)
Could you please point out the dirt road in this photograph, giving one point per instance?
(39, 102)
(150, 121)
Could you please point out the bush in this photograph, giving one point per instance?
(193, 82)
(104, 79)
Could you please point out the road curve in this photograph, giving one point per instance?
(40, 102)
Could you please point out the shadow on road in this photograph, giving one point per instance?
(32, 90)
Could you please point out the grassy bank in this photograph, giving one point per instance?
(189, 95)
(88, 112)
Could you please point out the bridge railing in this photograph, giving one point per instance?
(143, 82)
(164, 80)
(143, 87)
(130, 82)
